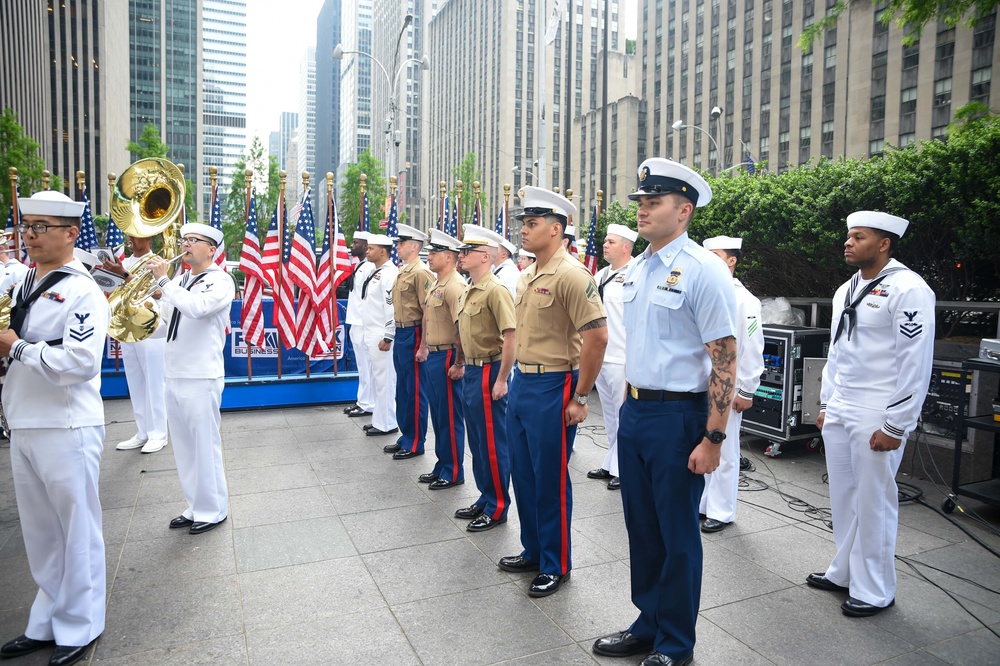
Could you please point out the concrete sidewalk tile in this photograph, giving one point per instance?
(13, 543)
(587, 552)
(263, 456)
(430, 570)
(333, 468)
(571, 655)
(595, 601)
(307, 592)
(715, 647)
(279, 506)
(289, 543)
(787, 551)
(160, 488)
(439, 628)
(18, 585)
(176, 556)
(918, 658)
(606, 531)
(224, 651)
(366, 637)
(397, 528)
(970, 561)
(727, 577)
(263, 419)
(310, 416)
(266, 479)
(374, 494)
(977, 648)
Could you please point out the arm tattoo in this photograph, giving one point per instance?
(722, 380)
(597, 323)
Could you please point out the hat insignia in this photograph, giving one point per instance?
(643, 173)
(674, 277)
(520, 193)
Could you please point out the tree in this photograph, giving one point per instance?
(910, 15)
(150, 145)
(615, 213)
(350, 204)
(467, 172)
(265, 186)
(20, 151)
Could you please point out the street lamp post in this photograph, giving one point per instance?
(518, 170)
(679, 125)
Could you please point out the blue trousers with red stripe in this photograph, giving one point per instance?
(486, 420)
(540, 448)
(444, 396)
(411, 396)
(661, 497)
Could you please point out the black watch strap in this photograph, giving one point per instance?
(715, 436)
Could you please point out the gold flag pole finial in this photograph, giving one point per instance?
(305, 180)
(45, 179)
(392, 186)
(81, 178)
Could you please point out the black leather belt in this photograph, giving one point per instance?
(662, 396)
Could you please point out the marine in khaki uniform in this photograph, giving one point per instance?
(437, 354)
(408, 296)
(561, 336)
(486, 332)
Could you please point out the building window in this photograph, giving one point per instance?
(807, 64)
(878, 108)
(942, 92)
(878, 65)
(876, 147)
(980, 91)
(911, 56)
(830, 56)
(907, 139)
(939, 131)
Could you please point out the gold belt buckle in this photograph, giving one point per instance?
(633, 391)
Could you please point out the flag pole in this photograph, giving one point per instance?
(458, 204)
(477, 190)
(332, 230)
(282, 177)
(248, 180)
(81, 178)
(305, 190)
(12, 172)
(506, 211)
(45, 179)
(569, 195)
(443, 192)
(361, 211)
(115, 345)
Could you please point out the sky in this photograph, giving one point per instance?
(278, 34)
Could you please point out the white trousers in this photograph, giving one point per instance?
(56, 475)
(718, 501)
(611, 390)
(366, 397)
(864, 503)
(193, 412)
(383, 376)
(146, 386)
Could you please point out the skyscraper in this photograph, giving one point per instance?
(327, 141)
(355, 81)
(306, 156)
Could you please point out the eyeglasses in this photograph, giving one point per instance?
(465, 251)
(39, 227)
(188, 240)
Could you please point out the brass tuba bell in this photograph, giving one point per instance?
(148, 199)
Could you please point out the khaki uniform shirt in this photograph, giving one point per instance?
(441, 310)
(552, 304)
(410, 292)
(485, 311)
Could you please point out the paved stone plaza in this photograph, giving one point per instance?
(334, 554)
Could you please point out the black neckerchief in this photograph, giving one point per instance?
(850, 312)
(350, 280)
(175, 317)
(19, 312)
(364, 287)
(611, 276)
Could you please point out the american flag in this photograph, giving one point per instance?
(365, 221)
(284, 310)
(87, 240)
(392, 231)
(252, 315)
(271, 257)
(443, 222)
(452, 225)
(215, 221)
(477, 213)
(501, 225)
(114, 240)
(751, 167)
(302, 272)
(22, 256)
(590, 260)
(329, 274)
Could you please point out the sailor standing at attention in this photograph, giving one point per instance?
(365, 403)
(378, 323)
(52, 405)
(680, 365)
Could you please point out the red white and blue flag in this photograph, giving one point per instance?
(284, 290)
(452, 229)
(392, 231)
(590, 259)
(87, 240)
(302, 272)
(215, 221)
(270, 258)
(252, 315)
(365, 221)
(501, 224)
(332, 270)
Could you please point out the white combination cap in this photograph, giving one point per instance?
(500, 240)
(621, 230)
(475, 236)
(379, 239)
(876, 220)
(50, 203)
(361, 235)
(525, 253)
(441, 241)
(405, 232)
(658, 175)
(539, 201)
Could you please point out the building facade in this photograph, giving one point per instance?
(25, 86)
(355, 81)
(306, 129)
(327, 134)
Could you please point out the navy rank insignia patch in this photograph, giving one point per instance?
(911, 328)
(674, 277)
(81, 332)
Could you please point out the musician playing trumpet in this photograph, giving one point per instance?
(195, 311)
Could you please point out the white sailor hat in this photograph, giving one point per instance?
(621, 230)
(500, 240)
(475, 236)
(441, 241)
(203, 230)
(539, 201)
(51, 203)
(722, 243)
(876, 220)
(361, 236)
(87, 258)
(658, 175)
(405, 232)
(570, 231)
(379, 239)
(525, 253)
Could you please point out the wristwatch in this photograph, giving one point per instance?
(715, 436)
(582, 399)
(387, 341)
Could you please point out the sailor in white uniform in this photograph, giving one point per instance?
(504, 266)
(52, 403)
(379, 323)
(874, 385)
(525, 259)
(365, 402)
(618, 243)
(718, 501)
(13, 270)
(195, 310)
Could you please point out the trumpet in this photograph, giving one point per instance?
(134, 316)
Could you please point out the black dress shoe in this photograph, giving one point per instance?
(441, 484)
(621, 644)
(405, 454)
(660, 659)
(483, 522)
(545, 584)
(375, 432)
(22, 645)
(66, 655)
(357, 411)
(348, 410)
(180, 521)
(201, 528)
(427, 478)
(820, 581)
(392, 448)
(470, 512)
(854, 608)
(615, 483)
(367, 427)
(517, 564)
(711, 525)
(599, 473)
